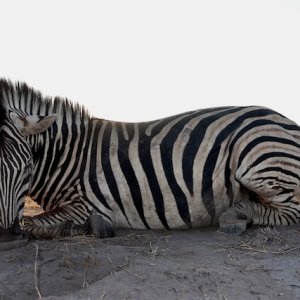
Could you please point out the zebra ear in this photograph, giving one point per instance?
(32, 124)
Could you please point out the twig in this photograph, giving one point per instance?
(136, 275)
(36, 272)
(153, 250)
(219, 293)
(85, 284)
(110, 261)
(122, 268)
(244, 246)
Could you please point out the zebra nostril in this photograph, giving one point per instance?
(9, 240)
(4, 232)
(6, 235)
(13, 233)
(12, 237)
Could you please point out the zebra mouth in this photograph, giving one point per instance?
(11, 238)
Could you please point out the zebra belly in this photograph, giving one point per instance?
(126, 212)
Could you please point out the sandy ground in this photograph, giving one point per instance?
(263, 263)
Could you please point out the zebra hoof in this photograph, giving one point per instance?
(233, 221)
(98, 227)
(236, 227)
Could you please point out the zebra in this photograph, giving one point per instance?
(230, 166)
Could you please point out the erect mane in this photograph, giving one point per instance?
(2, 113)
(27, 100)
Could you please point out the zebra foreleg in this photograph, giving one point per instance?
(63, 229)
(59, 223)
(95, 225)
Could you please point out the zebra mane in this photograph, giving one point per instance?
(2, 114)
(27, 100)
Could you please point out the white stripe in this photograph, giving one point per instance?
(125, 132)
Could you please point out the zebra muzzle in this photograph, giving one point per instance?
(12, 237)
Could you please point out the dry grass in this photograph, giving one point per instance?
(267, 240)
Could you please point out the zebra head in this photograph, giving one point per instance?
(16, 163)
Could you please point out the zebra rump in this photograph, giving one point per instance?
(232, 166)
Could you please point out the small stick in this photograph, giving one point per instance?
(85, 284)
(136, 275)
(244, 246)
(36, 273)
(123, 268)
(219, 293)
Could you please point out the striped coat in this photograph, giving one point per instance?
(234, 166)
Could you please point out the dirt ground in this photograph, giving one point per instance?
(263, 263)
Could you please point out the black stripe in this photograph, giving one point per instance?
(195, 140)
(265, 212)
(108, 173)
(129, 174)
(44, 160)
(79, 150)
(166, 150)
(280, 170)
(288, 199)
(265, 139)
(269, 209)
(273, 178)
(147, 164)
(130, 131)
(93, 168)
(286, 219)
(11, 92)
(291, 214)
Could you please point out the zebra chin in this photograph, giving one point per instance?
(12, 237)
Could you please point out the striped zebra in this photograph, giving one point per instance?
(232, 166)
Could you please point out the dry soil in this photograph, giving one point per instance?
(263, 263)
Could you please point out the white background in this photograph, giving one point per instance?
(141, 60)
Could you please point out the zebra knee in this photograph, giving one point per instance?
(99, 227)
(63, 229)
